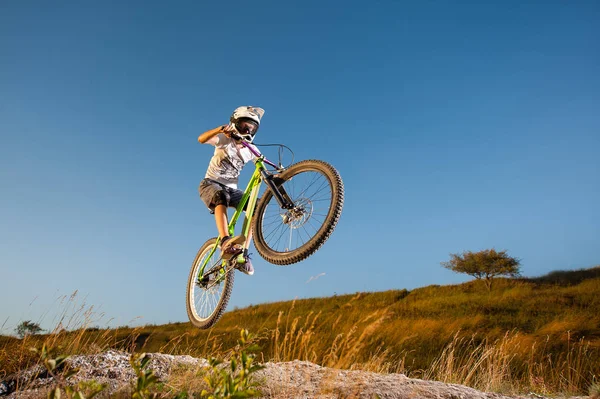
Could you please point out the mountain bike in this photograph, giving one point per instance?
(296, 214)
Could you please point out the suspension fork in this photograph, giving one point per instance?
(282, 197)
(276, 187)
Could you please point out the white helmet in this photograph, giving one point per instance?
(246, 121)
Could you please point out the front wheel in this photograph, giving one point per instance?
(286, 236)
(207, 295)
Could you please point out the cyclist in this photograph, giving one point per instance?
(218, 190)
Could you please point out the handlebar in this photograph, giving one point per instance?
(256, 153)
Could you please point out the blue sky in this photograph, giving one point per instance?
(455, 126)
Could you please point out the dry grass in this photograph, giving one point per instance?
(300, 340)
(186, 379)
(523, 337)
(484, 365)
(553, 360)
(594, 392)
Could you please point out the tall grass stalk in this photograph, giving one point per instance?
(297, 339)
(71, 334)
(508, 365)
(484, 365)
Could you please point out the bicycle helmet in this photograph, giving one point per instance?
(246, 121)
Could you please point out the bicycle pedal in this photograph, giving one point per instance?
(232, 251)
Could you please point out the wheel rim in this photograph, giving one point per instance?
(287, 230)
(205, 301)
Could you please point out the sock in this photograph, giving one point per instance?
(224, 239)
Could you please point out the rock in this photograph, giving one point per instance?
(111, 367)
(299, 379)
(296, 379)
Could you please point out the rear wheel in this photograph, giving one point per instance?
(207, 295)
(286, 236)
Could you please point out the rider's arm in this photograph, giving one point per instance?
(210, 136)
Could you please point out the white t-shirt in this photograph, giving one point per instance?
(228, 160)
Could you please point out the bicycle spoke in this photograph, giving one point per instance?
(307, 233)
(278, 239)
(279, 227)
(274, 222)
(323, 185)
(315, 196)
(316, 228)
(309, 186)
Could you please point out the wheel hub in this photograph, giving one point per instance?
(299, 214)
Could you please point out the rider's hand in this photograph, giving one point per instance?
(227, 130)
(230, 132)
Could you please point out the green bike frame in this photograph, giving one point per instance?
(250, 197)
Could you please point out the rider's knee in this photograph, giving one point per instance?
(220, 198)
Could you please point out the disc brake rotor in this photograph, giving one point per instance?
(299, 214)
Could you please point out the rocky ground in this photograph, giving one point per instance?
(295, 379)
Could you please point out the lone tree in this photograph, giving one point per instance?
(485, 265)
(28, 328)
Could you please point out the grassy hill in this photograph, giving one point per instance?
(540, 334)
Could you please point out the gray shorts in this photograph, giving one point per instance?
(213, 193)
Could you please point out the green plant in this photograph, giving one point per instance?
(90, 388)
(145, 377)
(234, 381)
